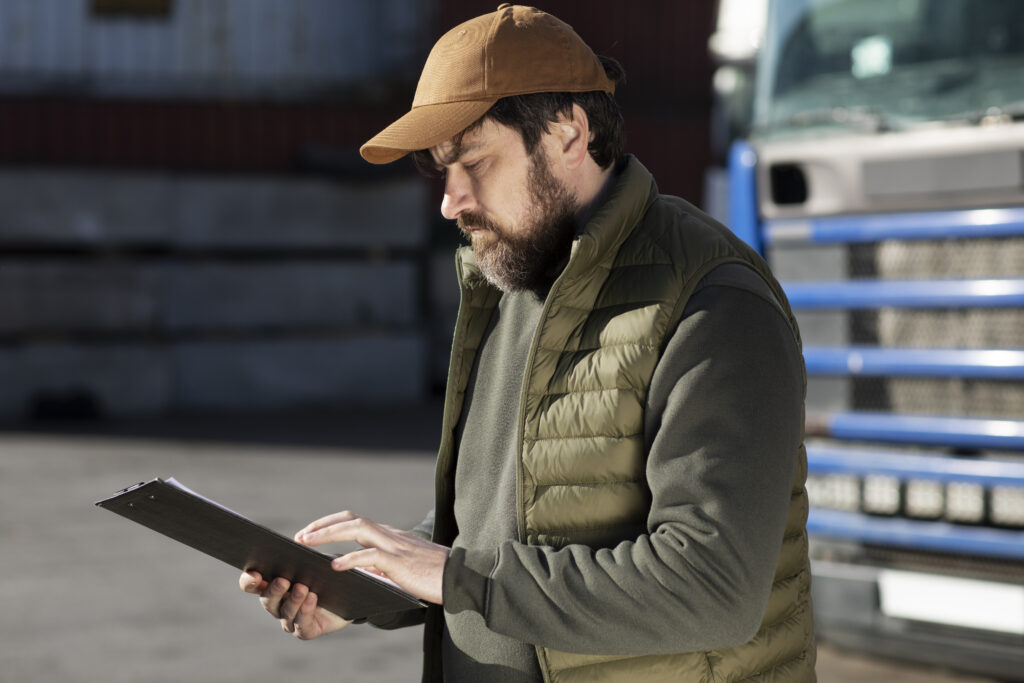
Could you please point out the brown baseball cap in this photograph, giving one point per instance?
(513, 51)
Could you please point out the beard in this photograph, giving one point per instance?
(533, 255)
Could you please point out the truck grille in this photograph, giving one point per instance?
(969, 328)
(913, 328)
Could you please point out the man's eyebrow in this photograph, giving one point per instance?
(459, 149)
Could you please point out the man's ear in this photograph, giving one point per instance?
(573, 133)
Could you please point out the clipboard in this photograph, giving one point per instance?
(169, 508)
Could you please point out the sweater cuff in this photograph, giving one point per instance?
(466, 576)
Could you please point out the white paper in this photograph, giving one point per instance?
(378, 577)
(178, 485)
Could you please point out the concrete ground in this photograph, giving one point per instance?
(90, 597)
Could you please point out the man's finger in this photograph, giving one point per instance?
(247, 581)
(337, 517)
(251, 582)
(305, 621)
(290, 605)
(271, 597)
(368, 557)
(361, 530)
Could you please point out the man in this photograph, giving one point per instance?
(619, 488)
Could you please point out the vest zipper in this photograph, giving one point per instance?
(521, 420)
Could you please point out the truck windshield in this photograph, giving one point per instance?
(886, 64)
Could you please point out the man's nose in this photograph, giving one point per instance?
(458, 195)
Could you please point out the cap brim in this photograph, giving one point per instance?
(421, 128)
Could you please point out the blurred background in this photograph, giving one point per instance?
(200, 277)
(188, 226)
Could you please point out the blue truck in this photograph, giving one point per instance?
(882, 176)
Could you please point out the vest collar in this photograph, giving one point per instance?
(632, 193)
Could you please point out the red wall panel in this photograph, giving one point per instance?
(197, 136)
(666, 103)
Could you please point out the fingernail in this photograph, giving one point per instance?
(337, 564)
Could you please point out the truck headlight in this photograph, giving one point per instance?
(965, 502)
(834, 491)
(1007, 505)
(881, 494)
(925, 498)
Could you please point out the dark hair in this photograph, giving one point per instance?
(532, 114)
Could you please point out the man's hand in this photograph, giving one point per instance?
(413, 563)
(296, 608)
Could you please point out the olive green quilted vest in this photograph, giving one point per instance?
(580, 477)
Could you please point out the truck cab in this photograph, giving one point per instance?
(882, 177)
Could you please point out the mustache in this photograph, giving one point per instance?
(476, 220)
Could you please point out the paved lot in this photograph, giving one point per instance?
(90, 597)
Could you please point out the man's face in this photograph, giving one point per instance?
(516, 213)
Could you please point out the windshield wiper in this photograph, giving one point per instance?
(870, 119)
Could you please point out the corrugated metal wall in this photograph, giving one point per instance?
(170, 240)
(328, 73)
(210, 47)
(156, 156)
